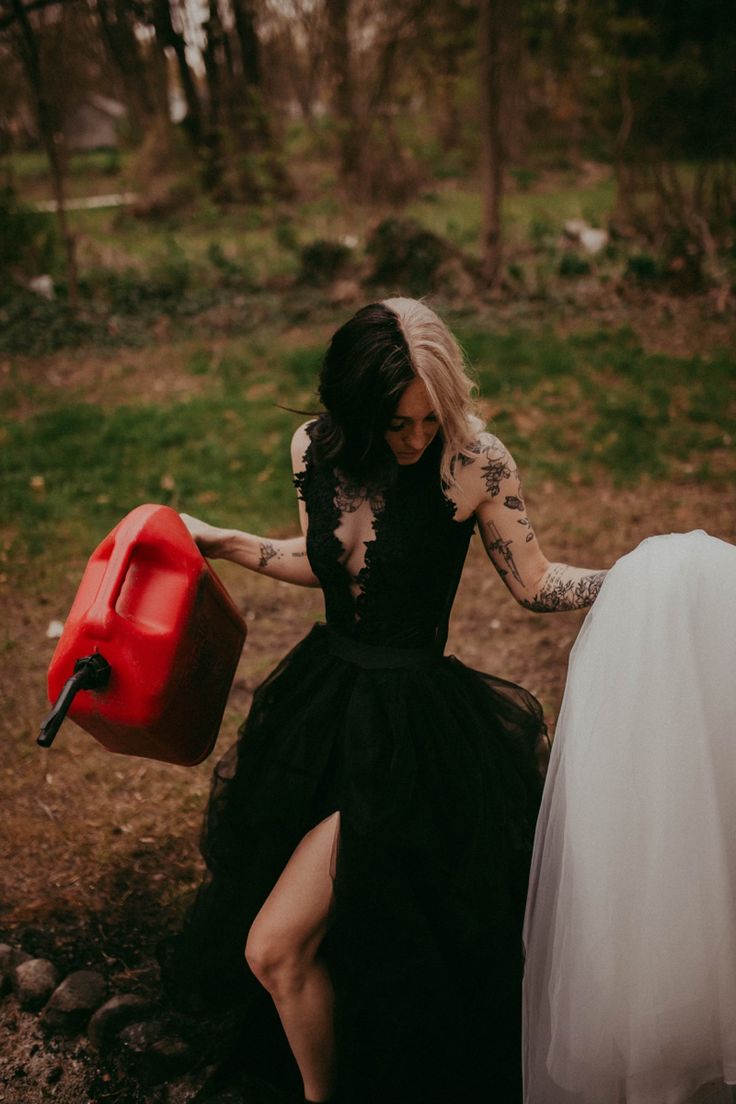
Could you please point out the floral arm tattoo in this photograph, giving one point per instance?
(511, 543)
(565, 588)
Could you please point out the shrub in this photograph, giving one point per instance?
(322, 260)
(406, 255)
(573, 265)
(28, 244)
(643, 268)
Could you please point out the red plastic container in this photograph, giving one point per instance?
(152, 606)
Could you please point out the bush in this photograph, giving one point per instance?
(28, 244)
(573, 265)
(406, 256)
(643, 268)
(322, 260)
(35, 326)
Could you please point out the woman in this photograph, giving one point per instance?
(373, 842)
(630, 978)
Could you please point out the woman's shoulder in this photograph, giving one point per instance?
(300, 444)
(481, 467)
(483, 448)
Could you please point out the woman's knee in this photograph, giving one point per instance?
(278, 960)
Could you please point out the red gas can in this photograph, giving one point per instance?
(150, 606)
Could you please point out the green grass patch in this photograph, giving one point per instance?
(581, 407)
(596, 402)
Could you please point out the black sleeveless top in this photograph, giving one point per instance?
(412, 564)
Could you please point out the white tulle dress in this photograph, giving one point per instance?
(630, 932)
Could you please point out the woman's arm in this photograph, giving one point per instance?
(280, 559)
(511, 542)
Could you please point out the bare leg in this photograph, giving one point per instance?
(282, 950)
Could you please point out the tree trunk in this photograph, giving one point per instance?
(509, 61)
(168, 37)
(490, 26)
(339, 52)
(52, 136)
(124, 53)
(214, 46)
(255, 121)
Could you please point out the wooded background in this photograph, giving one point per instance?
(237, 101)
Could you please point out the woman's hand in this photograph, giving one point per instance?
(281, 559)
(208, 538)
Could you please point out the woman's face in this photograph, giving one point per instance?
(414, 424)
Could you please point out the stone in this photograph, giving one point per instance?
(43, 286)
(188, 1089)
(593, 240)
(33, 982)
(115, 1014)
(38, 941)
(10, 957)
(73, 1002)
(574, 227)
(152, 1055)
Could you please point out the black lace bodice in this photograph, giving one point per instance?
(403, 593)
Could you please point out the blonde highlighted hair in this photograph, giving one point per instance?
(438, 361)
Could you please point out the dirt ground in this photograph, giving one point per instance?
(100, 851)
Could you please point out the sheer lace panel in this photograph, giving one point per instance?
(388, 558)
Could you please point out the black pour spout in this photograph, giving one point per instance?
(90, 673)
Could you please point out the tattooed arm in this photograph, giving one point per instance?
(280, 559)
(511, 542)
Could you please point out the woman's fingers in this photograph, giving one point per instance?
(202, 533)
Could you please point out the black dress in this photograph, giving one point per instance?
(432, 767)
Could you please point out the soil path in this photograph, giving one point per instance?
(100, 852)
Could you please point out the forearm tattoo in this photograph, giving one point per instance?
(562, 590)
(267, 553)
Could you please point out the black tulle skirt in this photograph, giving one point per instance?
(433, 768)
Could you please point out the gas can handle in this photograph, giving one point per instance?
(101, 614)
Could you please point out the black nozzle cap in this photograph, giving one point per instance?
(91, 672)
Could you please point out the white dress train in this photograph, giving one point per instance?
(630, 931)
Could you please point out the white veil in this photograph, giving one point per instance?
(630, 932)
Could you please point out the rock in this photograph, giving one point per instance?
(153, 1056)
(115, 1014)
(593, 240)
(574, 227)
(10, 957)
(43, 286)
(33, 982)
(38, 942)
(188, 1089)
(73, 1002)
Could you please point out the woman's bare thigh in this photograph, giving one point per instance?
(296, 912)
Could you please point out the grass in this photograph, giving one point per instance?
(583, 407)
(454, 211)
(267, 238)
